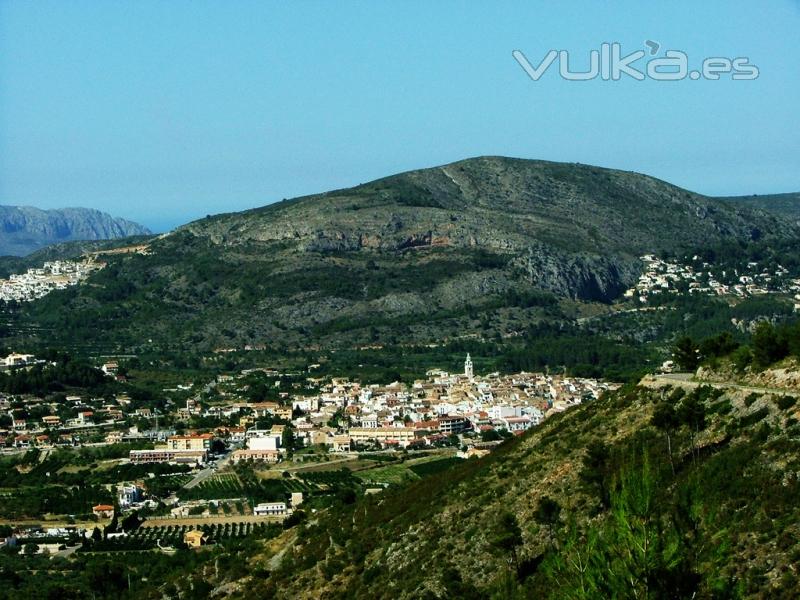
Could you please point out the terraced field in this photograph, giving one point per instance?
(249, 485)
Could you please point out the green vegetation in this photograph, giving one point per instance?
(652, 493)
(123, 575)
(68, 482)
(403, 469)
(148, 538)
(666, 495)
(783, 204)
(409, 259)
(48, 378)
(767, 345)
(35, 502)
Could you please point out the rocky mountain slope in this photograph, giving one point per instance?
(531, 209)
(404, 258)
(787, 205)
(24, 229)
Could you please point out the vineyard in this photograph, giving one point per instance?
(248, 485)
(150, 538)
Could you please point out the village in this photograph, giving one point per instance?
(40, 281)
(665, 277)
(342, 415)
(236, 453)
(256, 462)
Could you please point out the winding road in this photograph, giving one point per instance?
(687, 380)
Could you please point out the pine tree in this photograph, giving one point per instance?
(548, 513)
(666, 419)
(687, 354)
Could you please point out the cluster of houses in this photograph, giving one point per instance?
(31, 421)
(335, 415)
(190, 449)
(662, 277)
(338, 414)
(64, 423)
(40, 281)
(435, 409)
(345, 416)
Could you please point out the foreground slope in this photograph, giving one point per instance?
(590, 504)
(402, 258)
(24, 229)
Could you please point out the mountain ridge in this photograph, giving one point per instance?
(787, 204)
(25, 229)
(402, 258)
(492, 183)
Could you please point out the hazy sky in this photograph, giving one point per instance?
(164, 112)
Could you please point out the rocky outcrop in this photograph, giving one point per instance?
(581, 276)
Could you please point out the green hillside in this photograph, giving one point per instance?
(787, 205)
(425, 256)
(668, 489)
(589, 505)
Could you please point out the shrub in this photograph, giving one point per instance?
(751, 398)
(753, 418)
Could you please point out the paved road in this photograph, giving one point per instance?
(686, 380)
(352, 457)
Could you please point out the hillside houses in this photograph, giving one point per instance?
(662, 277)
(433, 409)
(40, 281)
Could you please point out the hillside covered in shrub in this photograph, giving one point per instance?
(653, 491)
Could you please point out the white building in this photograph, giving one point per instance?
(514, 424)
(269, 508)
(269, 441)
(501, 411)
(129, 494)
(13, 360)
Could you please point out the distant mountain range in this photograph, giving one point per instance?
(784, 204)
(24, 229)
(417, 257)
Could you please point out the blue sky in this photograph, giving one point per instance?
(164, 112)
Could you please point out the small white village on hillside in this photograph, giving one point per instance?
(330, 419)
(663, 277)
(38, 282)
(342, 415)
(658, 277)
